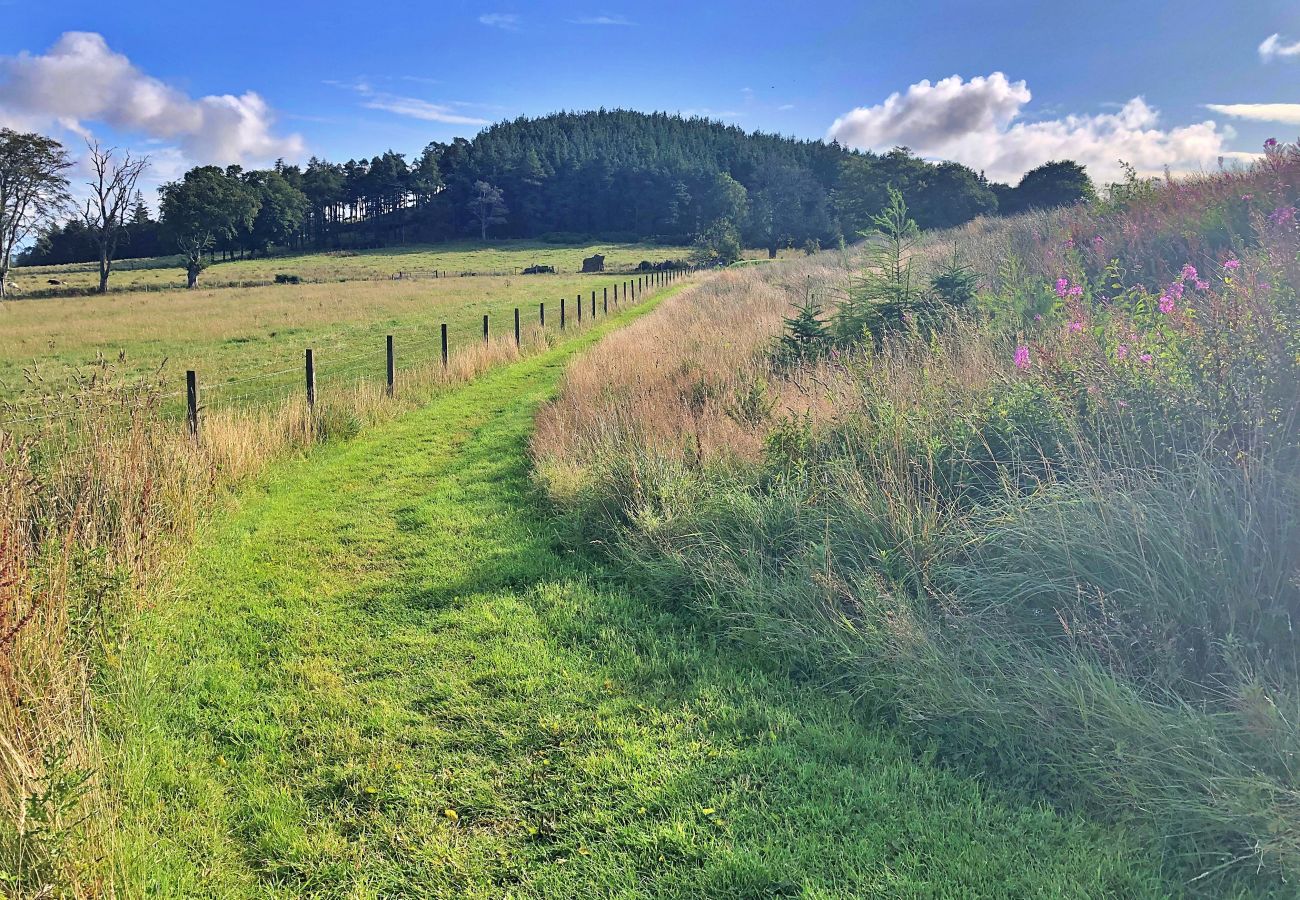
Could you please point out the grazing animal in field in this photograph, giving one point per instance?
(594, 263)
(540, 270)
(54, 281)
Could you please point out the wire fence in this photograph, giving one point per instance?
(404, 348)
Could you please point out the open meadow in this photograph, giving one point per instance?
(247, 343)
(453, 258)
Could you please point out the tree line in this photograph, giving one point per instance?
(616, 175)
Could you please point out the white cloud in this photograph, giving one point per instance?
(419, 109)
(980, 123)
(80, 80)
(1272, 48)
(601, 20)
(1283, 113)
(508, 21)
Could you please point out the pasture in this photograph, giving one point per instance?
(163, 273)
(235, 338)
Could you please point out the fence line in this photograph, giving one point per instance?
(635, 287)
(318, 364)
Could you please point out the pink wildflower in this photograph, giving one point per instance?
(1146, 358)
(1202, 285)
(1062, 285)
(1166, 304)
(1022, 357)
(1121, 351)
(1189, 273)
(1270, 143)
(1076, 326)
(1282, 215)
(1038, 317)
(1232, 265)
(1176, 290)
(1076, 290)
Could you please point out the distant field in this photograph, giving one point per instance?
(348, 265)
(230, 336)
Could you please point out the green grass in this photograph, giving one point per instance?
(388, 629)
(163, 273)
(231, 334)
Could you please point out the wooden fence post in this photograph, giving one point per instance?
(541, 314)
(444, 345)
(516, 327)
(604, 301)
(485, 328)
(311, 380)
(390, 371)
(593, 304)
(561, 313)
(192, 402)
(578, 302)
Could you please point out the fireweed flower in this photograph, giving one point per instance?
(1146, 358)
(1022, 357)
(1176, 290)
(1282, 215)
(1076, 291)
(1270, 144)
(1166, 304)
(1076, 326)
(1062, 285)
(1189, 273)
(1202, 285)
(1232, 265)
(1121, 351)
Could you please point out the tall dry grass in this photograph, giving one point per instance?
(1079, 572)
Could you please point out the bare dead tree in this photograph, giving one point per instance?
(33, 190)
(110, 203)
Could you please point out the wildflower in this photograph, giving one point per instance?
(1022, 357)
(1146, 358)
(1076, 290)
(1069, 243)
(1282, 215)
(450, 814)
(708, 810)
(1248, 197)
(1270, 144)
(1098, 241)
(1121, 351)
(1202, 285)
(1232, 265)
(1189, 273)
(1166, 304)
(1038, 317)
(1062, 285)
(1076, 326)
(1176, 290)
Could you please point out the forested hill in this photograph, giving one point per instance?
(610, 174)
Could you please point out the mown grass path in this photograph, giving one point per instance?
(383, 677)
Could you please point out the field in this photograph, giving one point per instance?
(237, 338)
(499, 257)
(954, 565)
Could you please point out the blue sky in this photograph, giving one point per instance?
(1001, 86)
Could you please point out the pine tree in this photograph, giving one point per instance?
(805, 335)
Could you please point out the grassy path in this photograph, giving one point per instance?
(383, 678)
